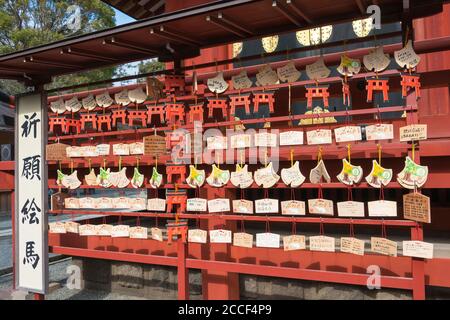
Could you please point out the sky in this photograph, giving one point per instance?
(121, 18)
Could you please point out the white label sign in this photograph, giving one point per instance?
(353, 209)
(380, 132)
(240, 141)
(220, 236)
(265, 139)
(291, 138)
(320, 136)
(219, 205)
(268, 240)
(322, 243)
(243, 206)
(31, 194)
(293, 207)
(197, 235)
(418, 249)
(156, 204)
(217, 143)
(266, 206)
(196, 204)
(382, 208)
(348, 133)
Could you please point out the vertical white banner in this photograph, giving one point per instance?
(31, 194)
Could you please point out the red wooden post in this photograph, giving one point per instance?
(418, 267)
(183, 272)
(13, 227)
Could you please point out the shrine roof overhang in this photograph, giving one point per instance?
(138, 9)
(181, 34)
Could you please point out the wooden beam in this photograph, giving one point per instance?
(165, 33)
(87, 54)
(298, 11)
(285, 12)
(49, 63)
(130, 45)
(229, 25)
(360, 5)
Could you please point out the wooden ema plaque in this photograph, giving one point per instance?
(154, 145)
(56, 152)
(416, 207)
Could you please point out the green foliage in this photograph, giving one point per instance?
(29, 23)
(151, 66)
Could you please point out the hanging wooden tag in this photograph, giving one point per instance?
(57, 227)
(353, 209)
(104, 100)
(220, 236)
(136, 148)
(321, 206)
(71, 227)
(71, 203)
(348, 66)
(156, 234)
(383, 246)
(348, 133)
(219, 205)
(138, 178)
(294, 242)
(87, 203)
(120, 231)
(266, 139)
(378, 176)
(57, 201)
(292, 176)
(56, 152)
(122, 98)
(58, 106)
(293, 207)
(418, 249)
(380, 132)
(243, 206)
(156, 204)
(266, 176)
(413, 132)
(291, 138)
(318, 70)
(121, 149)
(196, 204)
(416, 207)
(104, 203)
(217, 143)
(288, 73)
(73, 105)
(196, 177)
(242, 239)
(350, 174)
(137, 204)
(217, 84)
(320, 136)
(89, 102)
(267, 240)
(241, 178)
(376, 60)
(352, 245)
(413, 175)
(382, 208)
(322, 243)
(137, 95)
(103, 149)
(154, 145)
(138, 233)
(406, 57)
(241, 81)
(121, 203)
(239, 141)
(218, 177)
(318, 173)
(197, 236)
(104, 229)
(87, 230)
(266, 76)
(266, 206)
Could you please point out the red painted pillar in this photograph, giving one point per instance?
(183, 272)
(13, 227)
(218, 285)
